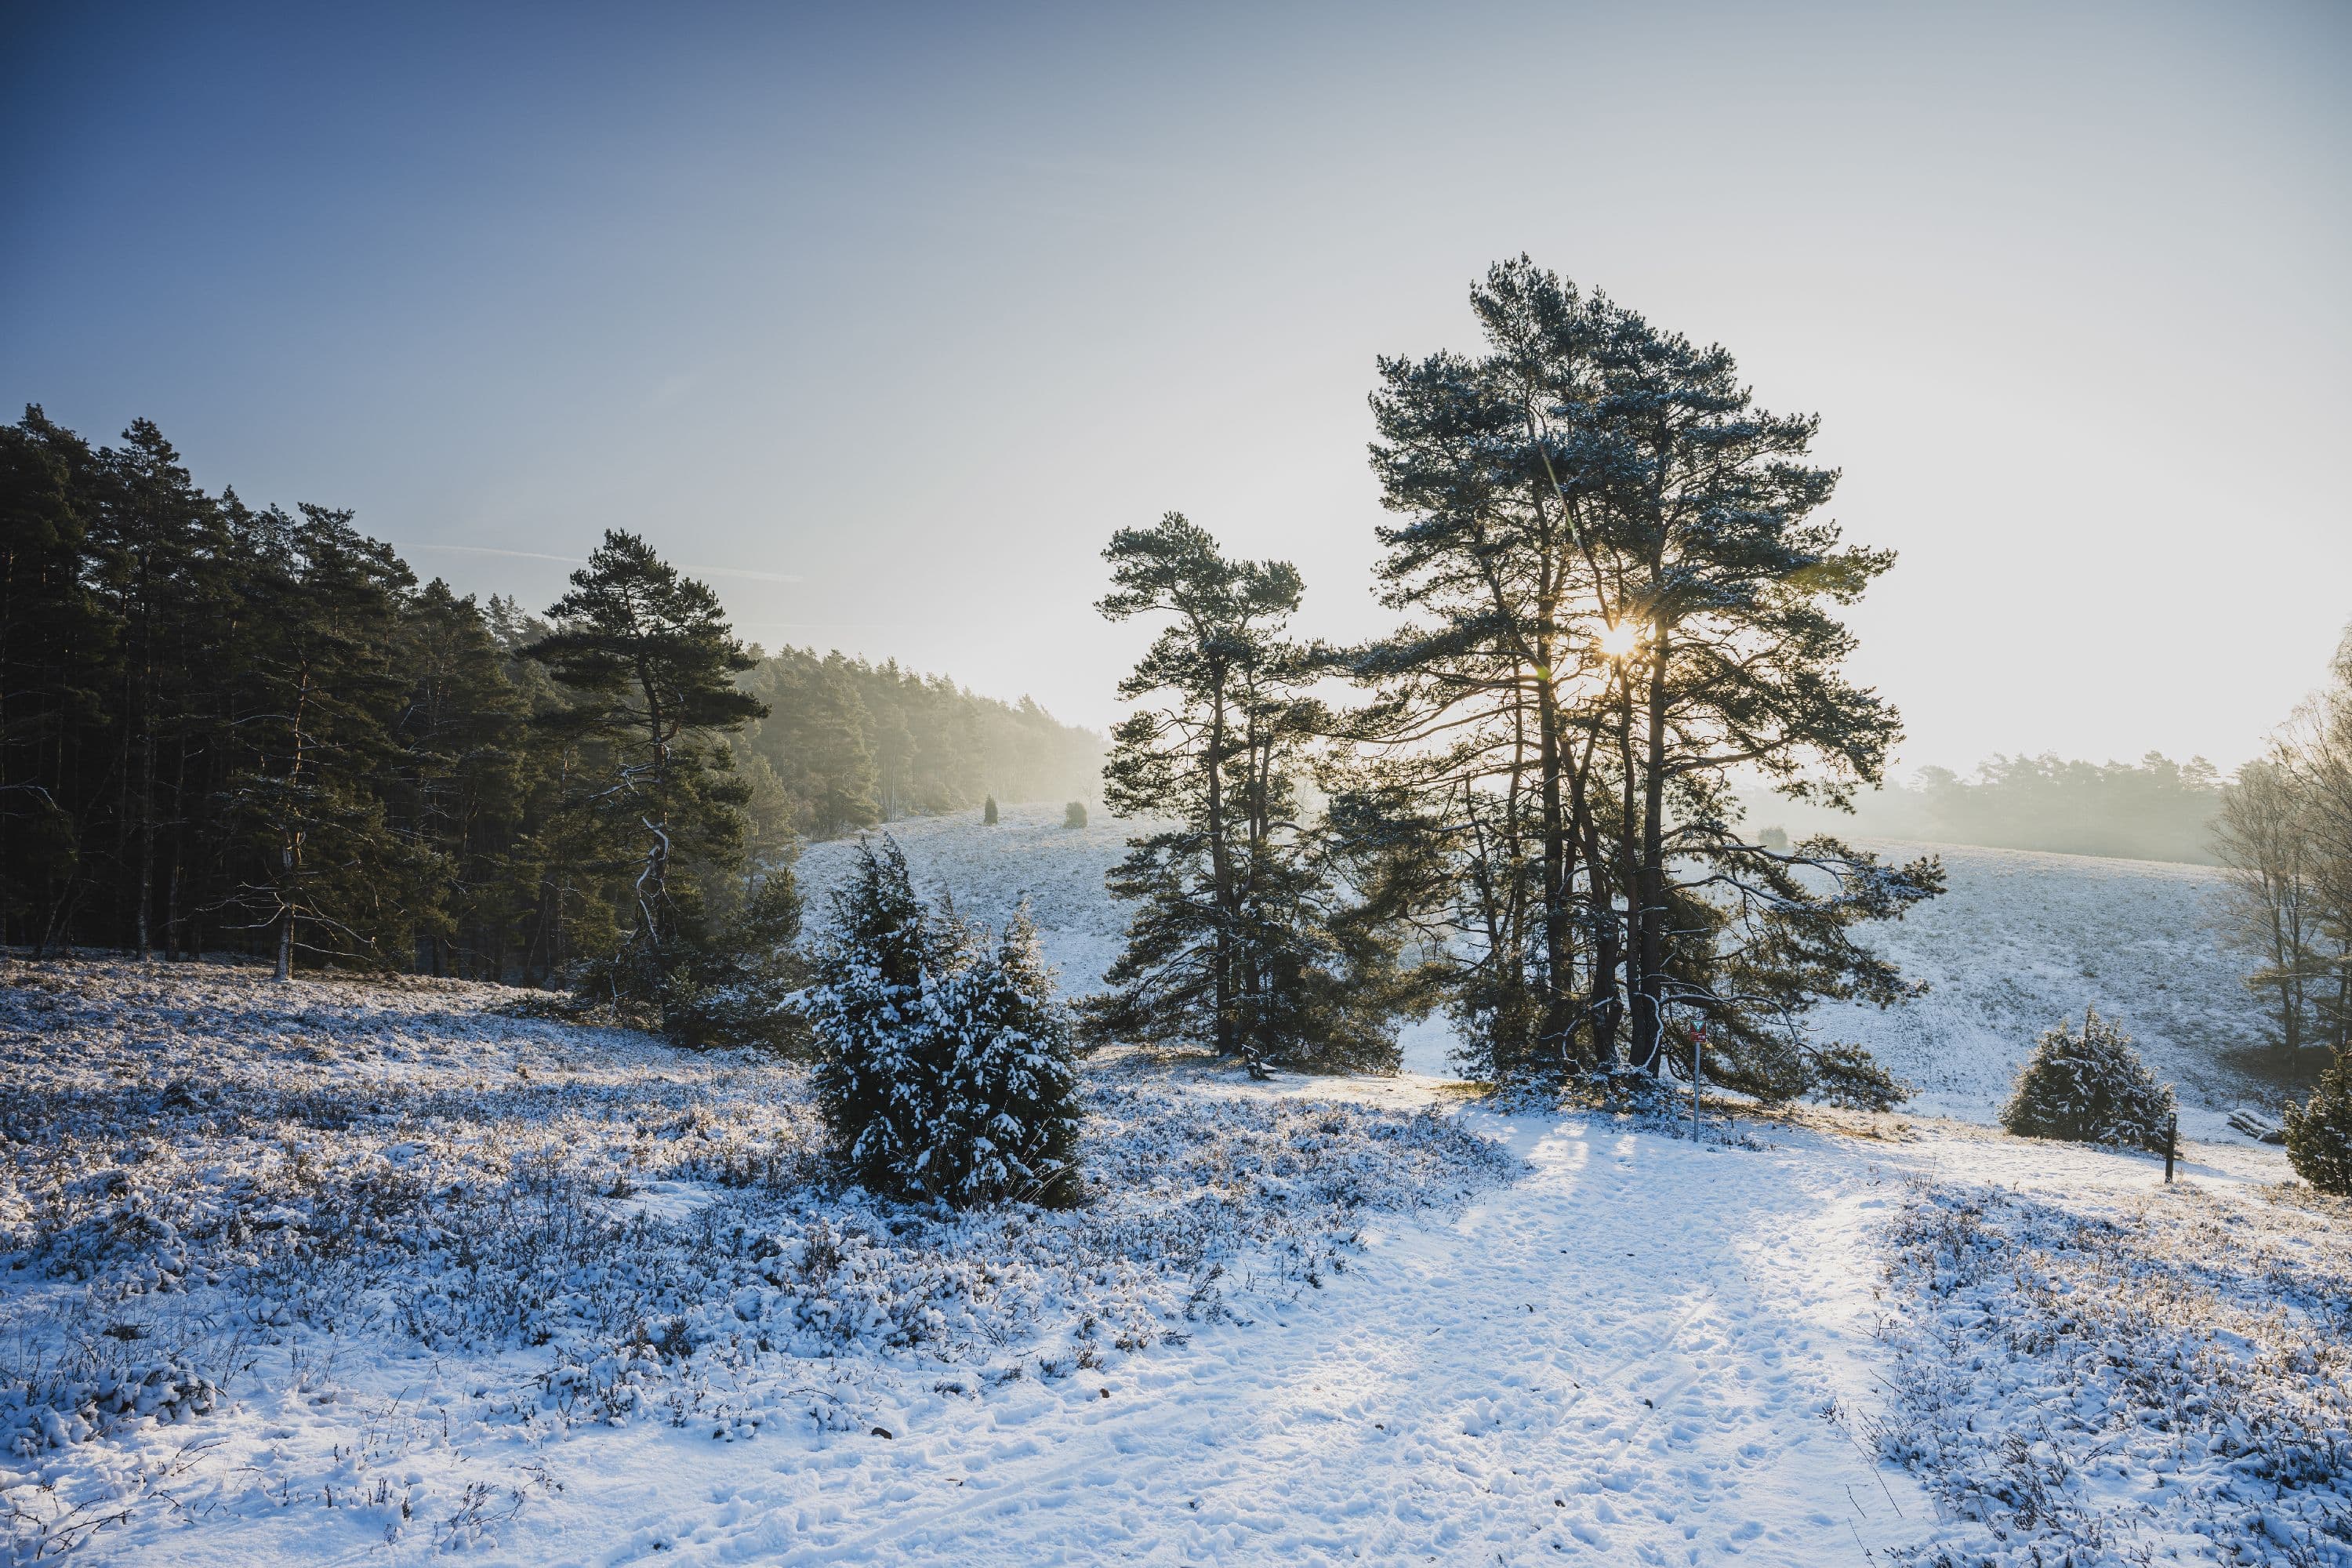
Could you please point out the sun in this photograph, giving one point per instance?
(1619, 639)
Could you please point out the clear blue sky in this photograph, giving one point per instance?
(898, 312)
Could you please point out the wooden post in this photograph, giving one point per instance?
(2172, 1145)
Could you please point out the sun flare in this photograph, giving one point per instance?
(1619, 640)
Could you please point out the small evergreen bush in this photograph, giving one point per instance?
(1007, 1124)
(2088, 1086)
(2319, 1131)
(988, 811)
(1074, 815)
(947, 1068)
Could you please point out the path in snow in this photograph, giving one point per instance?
(1624, 1357)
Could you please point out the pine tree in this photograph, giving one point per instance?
(1074, 815)
(875, 1076)
(328, 874)
(464, 760)
(2089, 1086)
(1232, 943)
(946, 1069)
(988, 811)
(1007, 1121)
(2319, 1131)
(161, 549)
(1621, 595)
(818, 739)
(856, 744)
(649, 659)
(56, 646)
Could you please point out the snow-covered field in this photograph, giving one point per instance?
(349, 1272)
(2086, 1362)
(990, 871)
(2021, 940)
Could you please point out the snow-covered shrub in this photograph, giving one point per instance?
(2319, 1131)
(1007, 1121)
(867, 1009)
(946, 1068)
(1074, 814)
(2089, 1086)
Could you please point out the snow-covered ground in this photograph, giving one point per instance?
(2022, 939)
(990, 871)
(2019, 940)
(2089, 1366)
(352, 1272)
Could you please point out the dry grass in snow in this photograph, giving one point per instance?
(372, 1249)
(2150, 1376)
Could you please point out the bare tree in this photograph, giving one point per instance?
(2324, 781)
(2264, 836)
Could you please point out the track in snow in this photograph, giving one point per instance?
(1624, 1357)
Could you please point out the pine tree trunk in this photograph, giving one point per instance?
(1649, 1023)
(179, 838)
(1607, 1005)
(1558, 1026)
(173, 947)
(147, 845)
(1629, 873)
(1221, 873)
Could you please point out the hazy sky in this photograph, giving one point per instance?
(897, 312)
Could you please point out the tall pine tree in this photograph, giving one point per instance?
(650, 661)
(327, 872)
(1233, 942)
(1619, 595)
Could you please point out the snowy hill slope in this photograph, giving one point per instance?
(2019, 940)
(2022, 939)
(1029, 854)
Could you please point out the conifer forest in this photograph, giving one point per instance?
(241, 730)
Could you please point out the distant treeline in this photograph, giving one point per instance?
(225, 728)
(856, 744)
(2155, 809)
